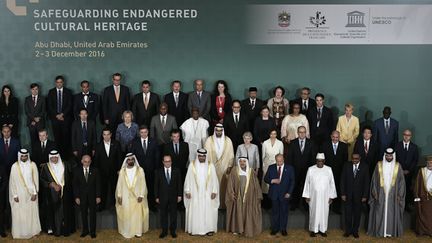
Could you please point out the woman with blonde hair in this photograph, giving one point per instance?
(348, 126)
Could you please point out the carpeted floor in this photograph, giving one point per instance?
(153, 236)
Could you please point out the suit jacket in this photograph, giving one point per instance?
(337, 161)
(142, 115)
(4, 181)
(77, 136)
(386, 140)
(111, 109)
(180, 112)
(214, 110)
(168, 192)
(278, 191)
(108, 164)
(9, 113)
(92, 106)
(251, 112)
(204, 105)
(298, 159)
(311, 105)
(355, 188)
(67, 102)
(87, 190)
(40, 156)
(7, 159)
(372, 157)
(179, 160)
(326, 124)
(408, 159)
(32, 111)
(150, 160)
(236, 132)
(162, 134)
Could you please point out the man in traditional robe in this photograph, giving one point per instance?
(243, 201)
(221, 154)
(131, 204)
(56, 178)
(423, 199)
(319, 192)
(195, 132)
(387, 198)
(23, 190)
(201, 200)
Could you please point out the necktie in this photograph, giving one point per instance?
(355, 170)
(253, 104)
(236, 120)
(301, 146)
(168, 176)
(279, 171)
(163, 122)
(319, 114)
(7, 145)
(86, 174)
(366, 147)
(145, 147)
(145, 101)
(84, 133)
(304, 105)
(43, 146)
(34, 101)
(59, 101)
(117, 93)
(387, 127)
(176, 99)
(406, 147)
(85, 100)
(334, 149)
(199, 97)
(176, 148)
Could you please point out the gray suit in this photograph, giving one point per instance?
(203, 104)
(162, 134)
(33, 111)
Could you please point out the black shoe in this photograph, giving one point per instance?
(346, 235)
(323, 234)
(3, 234)
(284, 233)
(93, 235)
(163, 235)
(356, 235)
(210, 234)
(173, 234)
(273, 232)
(312, 234)
(84, 234)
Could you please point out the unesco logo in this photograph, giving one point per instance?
(317, 20)
(18, 10)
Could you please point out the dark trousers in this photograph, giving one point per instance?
(353, 212)
(300, 176)
(149, 177)
(61, 130)
(168, 209)
(108, 190)
(409, 199)
(86, 208)
(279, 219)
(2, 212)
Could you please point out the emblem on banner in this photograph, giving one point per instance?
(18, 10)
(318, 19)
(284, 19)
(355, 19)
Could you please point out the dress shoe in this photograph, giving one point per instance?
(93, 235)
(84, 234)
(323, 234)
(346, 235)
(163, 235)
(173, 234)
(3, 234)
(284, 233)
(356, 235)
(312, 234)
(210, 234)
(273, 232)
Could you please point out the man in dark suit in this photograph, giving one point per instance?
(41, 149)
(107, 159)
(168, 188)
(368, 149)
(301, 155)
(235, 124)
(280, 177)
(251, 106)
(407, 155)
(386, 131)
(305, 101)
(34, 107)
(59, 108)
(9, 148)
(354, 191)
(115, 100)
(87, 194)
(83, 135)
(179, 152)
(200, 99)
(321, 121)
(145, 104)
(177, 103)
(147, 153)
(86, 100)
(161, 125)
(4, 181)
(336, 154)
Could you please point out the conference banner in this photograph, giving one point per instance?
(339, 24)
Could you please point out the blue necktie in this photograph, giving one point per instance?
(334, 149)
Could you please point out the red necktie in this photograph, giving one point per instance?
(366, 147)
(279, 171)
(6, 146)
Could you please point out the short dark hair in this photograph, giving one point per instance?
(117, 74)
(279, 87)
(43, 130)
(59, 77)
(145, 82)
(367, 127)
(84, 82)
(142, 127)
(176, 81)
(106, 129)
(83, 109)
(175, 131)
(319, 95)
(32, 85)
(236, 101)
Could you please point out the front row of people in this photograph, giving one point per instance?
(200, 192)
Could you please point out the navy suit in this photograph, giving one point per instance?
(8, 158)
(386, 140)
(408, 160)
(277, 194)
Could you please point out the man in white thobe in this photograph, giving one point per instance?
(319, 191)
(23, 191)
(201, 199)
(195, 132)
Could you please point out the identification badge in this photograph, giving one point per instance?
(277, 115)
(220, 109)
